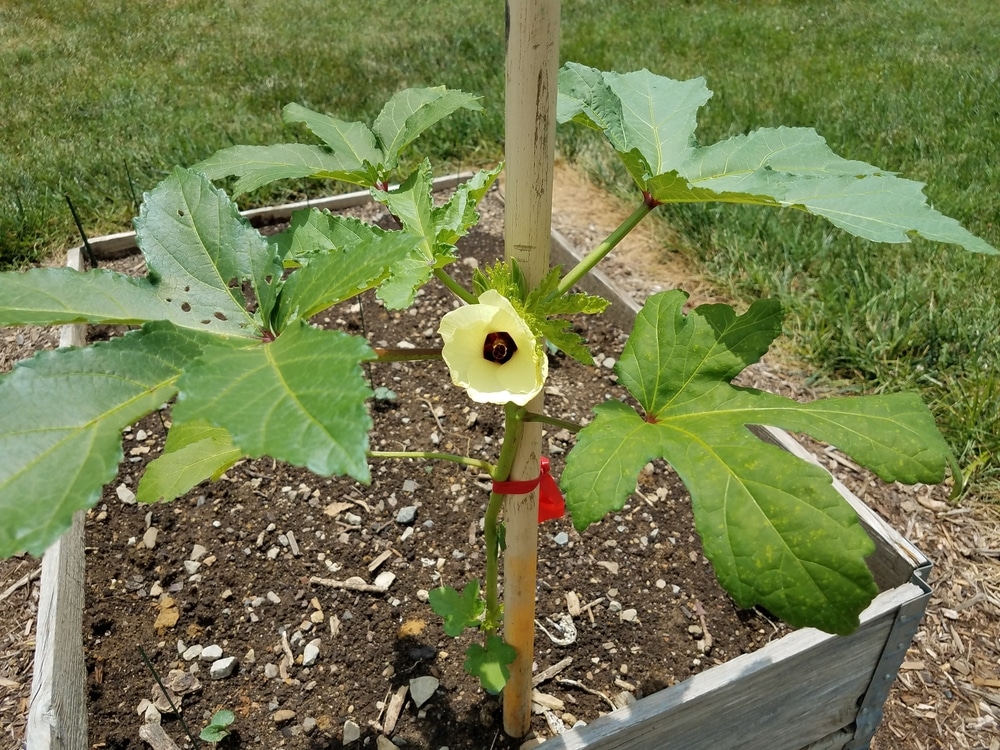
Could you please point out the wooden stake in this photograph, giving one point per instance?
(531, 89)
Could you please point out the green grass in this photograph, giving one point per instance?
(97, 90)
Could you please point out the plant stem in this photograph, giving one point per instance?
(596, 255)
(464, 460)
(554, 421)
(513, 419)
(457, 289)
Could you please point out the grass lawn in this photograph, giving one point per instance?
(99, 99)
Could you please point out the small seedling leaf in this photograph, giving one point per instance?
(459, 611)
(489, 664)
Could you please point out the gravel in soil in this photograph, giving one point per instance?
(236, 575)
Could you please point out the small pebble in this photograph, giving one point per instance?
(211, 653)
(308, 725)
(283, 716)
(270, 671)
(351, 732)
(422, 688)
(193, 652)
(197, 552)
(223, 668)
(149, 538)
(273, 598)
(191, 566)
(310, 653)
(561, 538)
(406, 515)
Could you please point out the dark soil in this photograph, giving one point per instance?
(268, 529)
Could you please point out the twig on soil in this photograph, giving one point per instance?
(584, 688)
(351, 584)
(548, 674)
(155, 736)
(21, 582)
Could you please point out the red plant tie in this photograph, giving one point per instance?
(550, 500)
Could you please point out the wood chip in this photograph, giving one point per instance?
(392, 713)
(374, 564)
(550, 672)
(156, 737)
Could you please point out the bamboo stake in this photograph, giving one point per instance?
(531, 74)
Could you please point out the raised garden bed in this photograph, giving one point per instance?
(802, 690)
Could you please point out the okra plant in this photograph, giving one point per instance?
(224, 335)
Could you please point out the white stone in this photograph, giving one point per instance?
(384, 579)
(197, 552)
(125, 494)
(310, 653)
(352, 732)
(191, 566)
(193, 652)
(149, 538)
(211, 653)
(384, 743)
(273, 598)
(223, 668)
(422, 688)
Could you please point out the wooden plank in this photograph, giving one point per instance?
(797, 690)
(57, 715)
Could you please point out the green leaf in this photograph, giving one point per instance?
(276, 399)
(409, 113)
(259, 165)
(489, 664)
(650, 121)
(198, 250)
(413, 205)
(775, 529)
(459, 611)
(194, 452)
(458, 215)
(354, 142)
(344, 257)
(53, 296)
(56, 460)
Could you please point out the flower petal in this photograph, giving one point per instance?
(464, 331)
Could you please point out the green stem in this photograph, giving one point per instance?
(457, 289)
(464, 460)
(513, 418)
(596, 255)
(554, 421)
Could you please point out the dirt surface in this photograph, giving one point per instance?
(266, 532)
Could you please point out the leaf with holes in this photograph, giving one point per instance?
(777, 532)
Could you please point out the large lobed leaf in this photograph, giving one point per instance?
(776, 531)
(300, 398)
(353, 152)
(198, 251)
(650, 121)
(61, 422)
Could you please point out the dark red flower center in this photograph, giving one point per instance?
(499, 347)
